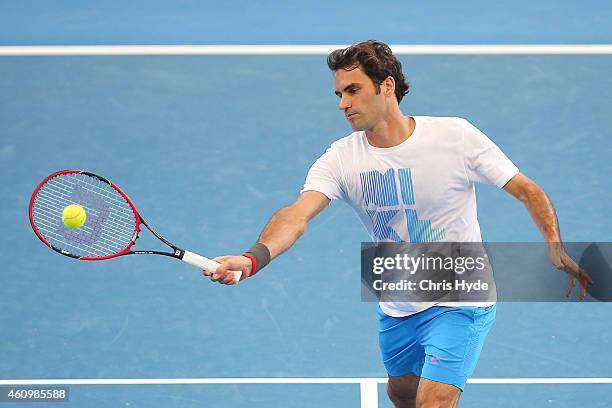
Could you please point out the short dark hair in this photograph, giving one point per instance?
(377, 61)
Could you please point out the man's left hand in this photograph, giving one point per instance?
(562, 261)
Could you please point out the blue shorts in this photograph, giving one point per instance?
(440, 343)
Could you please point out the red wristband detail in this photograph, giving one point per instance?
(254, 264)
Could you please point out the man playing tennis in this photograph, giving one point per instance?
(398, 173)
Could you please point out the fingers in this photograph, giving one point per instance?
(226, 271)
(218, 259)
(584, 283)
(570, 285)
(584, 279)
(220, 273)
(562, 261)
(576, 269)
(224, 277)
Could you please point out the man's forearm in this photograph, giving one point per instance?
(283, 229)
(543, 213)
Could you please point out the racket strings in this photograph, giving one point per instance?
(110, 223)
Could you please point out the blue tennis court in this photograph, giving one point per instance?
(208, 146)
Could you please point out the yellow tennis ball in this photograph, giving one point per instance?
(74, 216)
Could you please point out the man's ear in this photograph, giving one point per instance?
(388, 86)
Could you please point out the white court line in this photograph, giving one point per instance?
(312, 49)
(290, 380)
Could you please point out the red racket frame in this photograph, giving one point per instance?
(124, 251)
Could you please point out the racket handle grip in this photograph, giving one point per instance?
(205, 263)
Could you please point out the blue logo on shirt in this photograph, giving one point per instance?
(380, 190)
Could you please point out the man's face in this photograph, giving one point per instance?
(362, 106)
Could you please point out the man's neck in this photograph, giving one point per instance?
(391, 132)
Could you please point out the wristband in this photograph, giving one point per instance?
(259, 254)
(253, 263)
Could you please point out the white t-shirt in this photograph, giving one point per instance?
(419, 191)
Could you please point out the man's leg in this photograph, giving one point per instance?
(441, 345)
(403, 357)
(439, 359)
(410, 391)
(433, 394)
(453, 339)
(402, 390)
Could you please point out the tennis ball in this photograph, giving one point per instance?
(74, 216)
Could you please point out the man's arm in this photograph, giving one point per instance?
(543, 213)
(279, 234)
(538, 204)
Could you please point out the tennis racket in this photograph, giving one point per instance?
(111, 227)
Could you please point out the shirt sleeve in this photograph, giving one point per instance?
(325, 176)
(484, 161)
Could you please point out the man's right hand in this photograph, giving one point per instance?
(229, 263)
